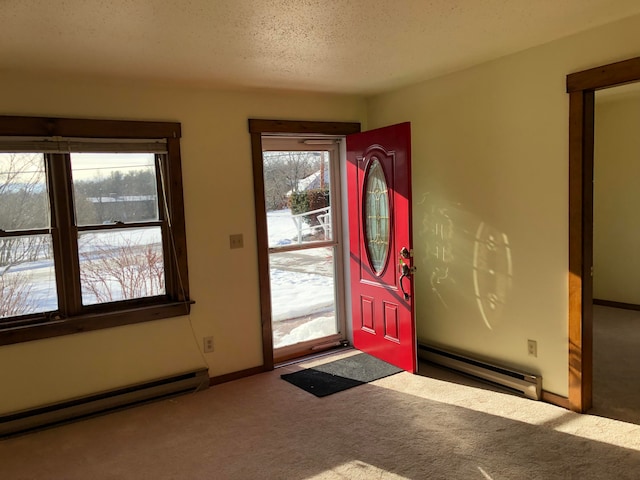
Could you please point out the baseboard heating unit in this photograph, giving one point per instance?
(58, 413)
(525, 384)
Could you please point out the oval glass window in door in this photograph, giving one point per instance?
(376, 216)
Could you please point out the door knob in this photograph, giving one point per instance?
(405, 270)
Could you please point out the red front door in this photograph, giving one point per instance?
(379, 187)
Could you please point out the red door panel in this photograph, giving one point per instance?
(379, 188)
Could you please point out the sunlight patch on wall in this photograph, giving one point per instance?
(467, 261)
(492, 272)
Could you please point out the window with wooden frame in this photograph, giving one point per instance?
(92, 231)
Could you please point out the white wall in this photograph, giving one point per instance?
(218, 191)
(616, 216)
(490, 187)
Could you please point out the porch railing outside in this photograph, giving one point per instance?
(303, 227)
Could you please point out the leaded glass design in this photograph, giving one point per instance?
(376, 216)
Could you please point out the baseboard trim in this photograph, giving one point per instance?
(526, 384)
(555, 399)
(101, 403)
(611, 303)
(229, 377)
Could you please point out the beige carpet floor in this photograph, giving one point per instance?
(435, 425)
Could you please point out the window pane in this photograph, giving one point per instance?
(121, 264)
(302, 295)
(27, 277)
(112, 187)
(24, 202)
(376, 218)
(296, 185)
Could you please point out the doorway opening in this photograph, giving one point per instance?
(302, 200)
(616, 264)
(296, 167)
(581, 87)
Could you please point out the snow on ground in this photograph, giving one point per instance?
(295, 294)
(280, 228)
(317, 327)
(305, 295)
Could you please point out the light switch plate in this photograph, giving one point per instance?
(236, 241)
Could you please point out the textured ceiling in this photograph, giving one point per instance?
(346, 46)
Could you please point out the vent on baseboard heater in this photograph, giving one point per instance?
(524, 383)
(58, 413)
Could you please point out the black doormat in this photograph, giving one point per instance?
(333, 377)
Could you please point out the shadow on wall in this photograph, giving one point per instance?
(468, 262)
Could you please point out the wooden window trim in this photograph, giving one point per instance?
(73, 319)
(581, 87)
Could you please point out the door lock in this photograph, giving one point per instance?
(405, 270)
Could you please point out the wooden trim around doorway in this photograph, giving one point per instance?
(555, 399)
(581, 87)
(257, 128)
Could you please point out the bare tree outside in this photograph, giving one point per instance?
(14, 294)
(283, 172)
(23, 206)
(132, 269)
(120, 196)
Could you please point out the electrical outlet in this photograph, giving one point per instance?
(236, 241)
(208, 344)
(532, 348)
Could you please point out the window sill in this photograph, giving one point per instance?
(38, 330)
